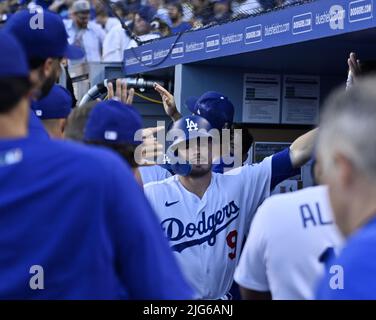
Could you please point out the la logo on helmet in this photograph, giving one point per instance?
(191, 125)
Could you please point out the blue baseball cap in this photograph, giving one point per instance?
(183, 130)
(13, 62)
(114, 122)
(56, 105)
(214, 107)
(188, 128)
(51, 40)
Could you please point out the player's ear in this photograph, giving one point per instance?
(346, 172)
(48, 67)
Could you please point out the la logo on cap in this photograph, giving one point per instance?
(110, 135)
(191, 125)
(39, 113)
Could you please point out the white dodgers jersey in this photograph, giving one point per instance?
(206, 234)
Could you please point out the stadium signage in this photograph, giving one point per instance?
(322, 18)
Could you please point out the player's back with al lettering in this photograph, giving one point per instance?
(295, 231)
(76, 212)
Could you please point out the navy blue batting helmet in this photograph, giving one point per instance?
(214, 107)
(183, 130)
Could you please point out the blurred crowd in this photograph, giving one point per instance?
(96, 28)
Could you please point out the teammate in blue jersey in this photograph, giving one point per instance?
(74, 224)
(347, 154)
(45, 42)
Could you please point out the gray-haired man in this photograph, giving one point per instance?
(347, 149)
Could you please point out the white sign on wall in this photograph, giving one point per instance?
(261, 98)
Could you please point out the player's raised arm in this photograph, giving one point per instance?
(285, 164)
(168, 102)
(302, 148)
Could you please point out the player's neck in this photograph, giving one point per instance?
(362, 208)
(13, 124)
(196, 185)
(138, 176)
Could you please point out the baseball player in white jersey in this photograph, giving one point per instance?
(288, 243)
(205, 215)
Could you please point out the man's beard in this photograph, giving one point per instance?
(48, 83)
(46, 87)
(199, 171)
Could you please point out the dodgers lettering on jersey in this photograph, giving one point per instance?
(206, 234)
(208, 227)
(290, 240)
